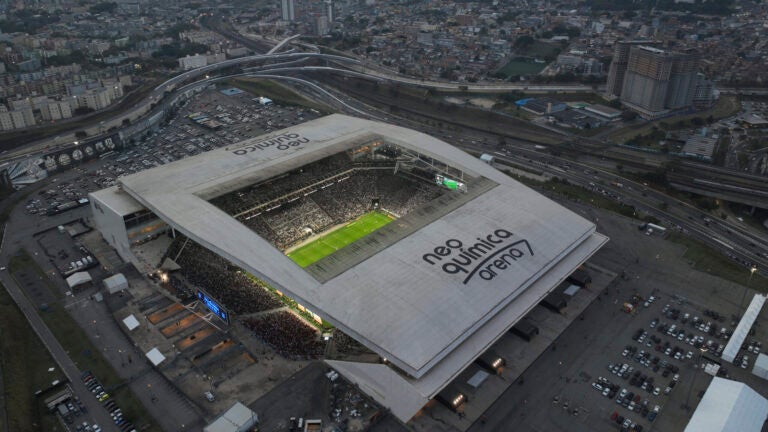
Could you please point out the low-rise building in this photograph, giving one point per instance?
(16, 119)
(55, 110)
(193, 62)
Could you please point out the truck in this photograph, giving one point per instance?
(485, 157)
(658, 228)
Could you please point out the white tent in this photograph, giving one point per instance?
(239, 418)
(761, 366)
(729, 406)
(155, 356)
(78, 278)
(116, 283)
(742, 330)
(131, 322)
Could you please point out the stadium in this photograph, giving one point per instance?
(418, 251)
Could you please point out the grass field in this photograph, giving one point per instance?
(519, 67)
(279, 93)
(336, 240)
(706, 259)
(24, 362)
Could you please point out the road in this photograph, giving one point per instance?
(95, 410)
(722, 235)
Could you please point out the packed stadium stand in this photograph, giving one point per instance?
(307, 202)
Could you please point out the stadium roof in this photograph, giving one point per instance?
(438, 296)
(729, 406)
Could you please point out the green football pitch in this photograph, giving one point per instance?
(336, 240)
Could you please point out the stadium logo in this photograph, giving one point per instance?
(486, 258)
(282, 142)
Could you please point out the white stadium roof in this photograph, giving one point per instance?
(406, 299)
(729, 406)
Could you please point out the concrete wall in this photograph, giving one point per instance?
(111, 226)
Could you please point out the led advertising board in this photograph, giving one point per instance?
(213, 306)
(449, 183)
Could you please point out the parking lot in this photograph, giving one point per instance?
(237, 117)
(565, 390)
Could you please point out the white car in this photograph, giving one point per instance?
(656, 391)
(676, 377)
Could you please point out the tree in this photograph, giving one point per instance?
(524, 41)
(628, 115)
(83, 110)
(108, 7)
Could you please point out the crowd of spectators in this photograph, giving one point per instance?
(271, 189)
(291, 222)
(345, 344)
(287, 334)
(180, 289)
(339, 202)
(228, 284)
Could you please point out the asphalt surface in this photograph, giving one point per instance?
(652, 266)
(165, 403)
(96, 412)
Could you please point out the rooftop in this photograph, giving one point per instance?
(433, 297)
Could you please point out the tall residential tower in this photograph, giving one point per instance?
(657, 82)
(619, 65)
(287, 10)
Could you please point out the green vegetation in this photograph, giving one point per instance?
(24, 362)
(85, 355)
(279, 93)
(718, 7)
(708, 260)
(580, 194)
(27, 21)
(721, 150)
(174, 30)
(649, 141)
(726, 106)
(14, 139)
(519, 66)
(428, 106)
(328, 244)
(177, 49)
(108, 7)
(538, 49)
(75, 56)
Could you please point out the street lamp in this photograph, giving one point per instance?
(752, 271)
